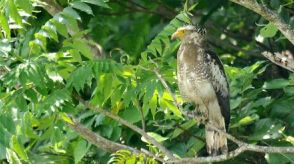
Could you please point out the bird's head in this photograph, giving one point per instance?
(183, 31)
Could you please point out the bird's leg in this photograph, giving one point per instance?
(200, 114)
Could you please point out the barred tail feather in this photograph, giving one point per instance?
(216, 143)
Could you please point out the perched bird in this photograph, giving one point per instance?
(202, 80)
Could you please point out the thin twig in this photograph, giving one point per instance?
(270, 15)
(189, 133)
(142, 115)
(163, 82)
(131, 126)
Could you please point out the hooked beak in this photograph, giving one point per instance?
(176, 35)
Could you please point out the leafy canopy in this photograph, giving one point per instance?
(45, 60)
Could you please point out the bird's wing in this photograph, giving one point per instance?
(219, 83)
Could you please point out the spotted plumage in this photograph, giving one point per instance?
(202, 80)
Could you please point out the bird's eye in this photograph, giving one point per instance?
(182, 31)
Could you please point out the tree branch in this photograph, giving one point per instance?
(283, 59)
(106, 144)
(270, 16)
(131, 126)
(242, 148)
(98, 140)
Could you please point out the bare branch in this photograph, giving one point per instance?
(283, 59)
(131, 126)
(52, 7)
(106, 144)
(242, 148)
(98, 140)
(270, 15)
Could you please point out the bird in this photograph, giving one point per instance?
(202, 81)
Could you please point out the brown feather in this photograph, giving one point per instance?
(202, 80)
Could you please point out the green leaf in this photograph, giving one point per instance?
(21, 102)
(12, 157)
(51, 31)
(269, 30)
(167, 104)
(70, 12)
(35, 75)
(185, 126)
(279, 158)
(156, 45)
(4, 25)
(18, 148)
(97, 2)
(32, 95)
(116, 134)
(71, 24)
(235, 102)
(116, 96)
(127, 97)
(246, 120)
(106, 130)
(83, 47)
(132, 115)
(66, 118)
(266, 129)
(82, 6)
(156, 136)
(80, 150)
(60, 27)
(25, 5)
(153, 104)
(7, 123)
(276, 84)
(55, 99)
(14, 13)
(5, 137)
(2, 152)
(107, 86)
(80, 77)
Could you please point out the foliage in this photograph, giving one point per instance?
(124, 156)
(45, 61)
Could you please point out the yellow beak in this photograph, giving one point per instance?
(177, 34)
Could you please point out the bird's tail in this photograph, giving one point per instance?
(216, 143)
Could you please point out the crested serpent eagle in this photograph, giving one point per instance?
(202, 80)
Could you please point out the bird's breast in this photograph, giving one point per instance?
(194, 84)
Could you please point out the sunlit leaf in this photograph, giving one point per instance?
(26, 5)
(4, 25)
(269, 30)
(80, 77)
(156, 136)
(276, 84)
(14, 13)
(82, 6)
(80, 150)
(71, 13)
(97, 2)
(18, 148)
